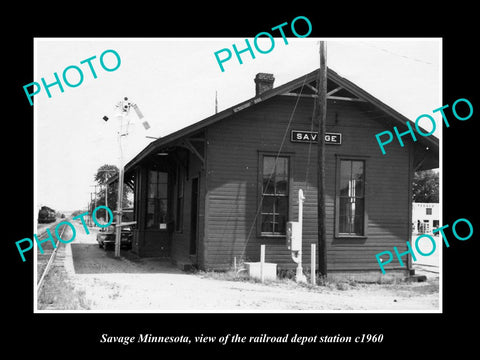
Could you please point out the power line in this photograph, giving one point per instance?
(396, 54)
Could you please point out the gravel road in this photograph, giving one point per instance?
(132, 284)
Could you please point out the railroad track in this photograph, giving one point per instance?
(45, 260)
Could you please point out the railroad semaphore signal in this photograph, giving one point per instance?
(123, 110)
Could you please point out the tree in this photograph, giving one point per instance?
(426, 186)
(77, 212)
(103, 174)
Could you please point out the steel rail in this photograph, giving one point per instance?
(49, 263)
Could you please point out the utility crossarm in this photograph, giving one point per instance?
(315, 90)
(328, 97)
(334, 90)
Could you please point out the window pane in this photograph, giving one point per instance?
(280, 226)
(281, 210)
(268, 175)
(152, 190)
(281, 206)
(162, 190)
(281, 176)
(345, 172)
(358, 217)
(163, 177)
(281, 186)
(268, 185)
(267, 223)
(268, 165)
(150, 218)
(282, 167)
(162, 211)
(152, 176)
(150, 206)
(351, 216)
(344, 215)
(267, 204)
(357, 177)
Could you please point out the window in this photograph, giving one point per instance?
(274, 195)
(157, 200)
(179, 205)
(428, 211)
(350, 199)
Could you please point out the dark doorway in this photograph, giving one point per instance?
(194, 217)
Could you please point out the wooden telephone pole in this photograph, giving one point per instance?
(321, 114)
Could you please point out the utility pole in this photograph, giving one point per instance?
(106, 199)
(123, 109)
(95, 197)
(321, 114)
(90, 209)
(118, 232)
(105, 179)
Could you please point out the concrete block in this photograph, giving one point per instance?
(269, 270)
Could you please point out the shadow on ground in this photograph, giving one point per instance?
(90, 259)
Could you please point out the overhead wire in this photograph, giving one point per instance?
(396, 54)
(260, 203)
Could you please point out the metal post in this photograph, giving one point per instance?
(299, 276)
(95, 198)
(262, 261)
(95, 203)
(106, 200)
(90, 210)
(313, 255)
(123, 111)
(106, 195)
(120, 193)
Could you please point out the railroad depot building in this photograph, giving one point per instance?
(218, 189)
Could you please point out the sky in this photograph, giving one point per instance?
(174, 82)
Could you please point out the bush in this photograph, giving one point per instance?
(77, 212)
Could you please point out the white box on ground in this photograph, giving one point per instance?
(269, 270)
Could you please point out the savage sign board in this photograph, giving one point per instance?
(312, 136)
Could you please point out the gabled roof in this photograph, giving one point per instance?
(430, 142)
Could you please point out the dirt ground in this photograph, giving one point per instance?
(132, 284)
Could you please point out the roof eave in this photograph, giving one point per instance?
(347, 84)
